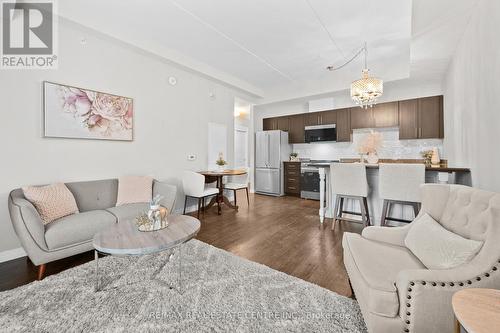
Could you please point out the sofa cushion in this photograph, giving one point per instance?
(95, 194)
(78, 228)
(51, 201)
(128, 212)
(134, 189)
(437, 247)
(377, 264)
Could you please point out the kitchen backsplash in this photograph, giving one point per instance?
(392, 147)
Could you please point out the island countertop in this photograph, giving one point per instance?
(442, 168)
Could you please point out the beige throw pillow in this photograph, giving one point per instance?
(134, 189)
(52, 201)
(438, 248)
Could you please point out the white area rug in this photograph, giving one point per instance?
(222, 293)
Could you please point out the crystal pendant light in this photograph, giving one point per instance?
(365, 91)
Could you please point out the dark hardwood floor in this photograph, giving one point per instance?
(282, 233)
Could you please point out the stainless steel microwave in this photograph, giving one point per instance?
(321, 133)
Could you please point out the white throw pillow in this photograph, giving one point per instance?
(438, 248)
(134, 189)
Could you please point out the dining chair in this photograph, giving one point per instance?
(194, 187)
(238, 183)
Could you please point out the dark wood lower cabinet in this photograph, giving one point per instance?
(292, 178)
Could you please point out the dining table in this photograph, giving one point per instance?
(217, 176)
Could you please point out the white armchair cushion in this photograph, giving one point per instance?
(438, 248)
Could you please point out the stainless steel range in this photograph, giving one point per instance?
(309, 178)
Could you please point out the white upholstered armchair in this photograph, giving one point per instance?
(395, 291)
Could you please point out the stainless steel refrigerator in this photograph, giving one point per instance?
(271, 149)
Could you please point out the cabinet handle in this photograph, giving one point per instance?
(291, 188)
(291, 179)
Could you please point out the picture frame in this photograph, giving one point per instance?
(72, 112)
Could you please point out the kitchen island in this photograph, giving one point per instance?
(442, 174)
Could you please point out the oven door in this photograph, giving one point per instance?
(309, 183)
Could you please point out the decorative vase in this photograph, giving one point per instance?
(435, 160)
(372, 158)
(221, 168)
(361, 158)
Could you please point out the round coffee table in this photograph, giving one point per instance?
(124, 239)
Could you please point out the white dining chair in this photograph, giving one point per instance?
(238, 183)
(194, 187)
(399, 183)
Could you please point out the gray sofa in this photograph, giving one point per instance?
(395, 291)
(73, 234)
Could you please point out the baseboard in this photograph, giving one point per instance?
(12, 254)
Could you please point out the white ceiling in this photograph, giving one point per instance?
(278, 49)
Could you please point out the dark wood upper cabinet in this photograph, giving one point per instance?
(385, 115)
(343, 125)
(421, 118)
(408, 119)
(430, 113)
(362, 118)
(283, 123)
(328, 117)
(296, 131)
(268, 124)
(312, 118)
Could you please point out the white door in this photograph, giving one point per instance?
(240, 147)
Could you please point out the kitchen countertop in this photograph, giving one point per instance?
(442, 168)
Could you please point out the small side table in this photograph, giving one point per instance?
(477, 310)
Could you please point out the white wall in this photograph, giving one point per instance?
(170, 121)
(472, 86)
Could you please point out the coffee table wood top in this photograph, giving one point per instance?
(125, 239)
(477, 310)
(224, 173)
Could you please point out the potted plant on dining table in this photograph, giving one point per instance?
(221, 163)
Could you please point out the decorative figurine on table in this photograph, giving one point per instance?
(155, 219)
(294, 157)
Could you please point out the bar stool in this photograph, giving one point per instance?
(348, 181)
(400, 184)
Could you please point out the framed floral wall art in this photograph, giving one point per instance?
(71, 112)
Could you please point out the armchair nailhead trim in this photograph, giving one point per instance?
(442, 284)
